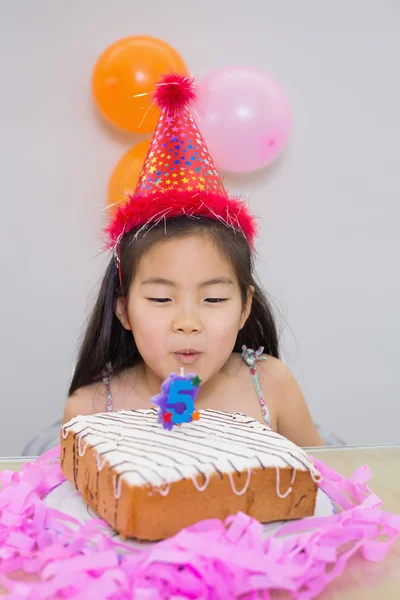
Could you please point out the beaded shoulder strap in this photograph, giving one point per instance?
(251, 357)
(107, 376)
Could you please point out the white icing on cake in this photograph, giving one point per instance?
(141, 452)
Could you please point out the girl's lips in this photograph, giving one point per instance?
(188, 358)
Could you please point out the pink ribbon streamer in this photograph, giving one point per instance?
(211, 560)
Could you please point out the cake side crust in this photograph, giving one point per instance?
(146, 514)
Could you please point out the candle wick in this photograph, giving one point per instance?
(182, 372)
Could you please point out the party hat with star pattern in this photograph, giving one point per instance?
(178, 176)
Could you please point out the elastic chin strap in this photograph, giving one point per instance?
(118, 257)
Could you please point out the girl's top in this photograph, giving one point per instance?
(249, 356)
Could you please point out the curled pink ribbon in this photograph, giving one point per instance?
(64, 559)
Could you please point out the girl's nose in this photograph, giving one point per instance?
(187, 322)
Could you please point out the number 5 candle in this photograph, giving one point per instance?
(176, 400)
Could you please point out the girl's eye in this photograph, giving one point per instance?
(208, 300)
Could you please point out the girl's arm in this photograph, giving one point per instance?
(294, 420)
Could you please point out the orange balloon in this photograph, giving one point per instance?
(129, 67)
(126, 173)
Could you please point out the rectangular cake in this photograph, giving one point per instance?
(149, 483)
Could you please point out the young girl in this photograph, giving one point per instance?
(180, 292)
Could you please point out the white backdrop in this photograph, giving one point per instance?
(329, 209)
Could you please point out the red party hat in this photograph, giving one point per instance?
(178, 176)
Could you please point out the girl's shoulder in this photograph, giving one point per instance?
(92, 398)
(268, 368)
(87, 400)
(271, 367)
(276, 379)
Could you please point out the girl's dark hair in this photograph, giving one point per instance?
(105, 339)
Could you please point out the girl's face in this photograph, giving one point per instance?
(184, 308)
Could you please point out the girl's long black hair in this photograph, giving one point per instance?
(106, 341)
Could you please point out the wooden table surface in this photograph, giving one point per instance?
(361, 580)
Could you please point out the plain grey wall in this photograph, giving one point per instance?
(329, 208)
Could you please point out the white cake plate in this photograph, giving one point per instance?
(68, 500)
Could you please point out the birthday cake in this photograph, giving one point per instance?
(148, 482)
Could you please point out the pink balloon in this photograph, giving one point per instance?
(245, 118)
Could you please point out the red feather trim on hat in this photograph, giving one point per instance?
(143, 210)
